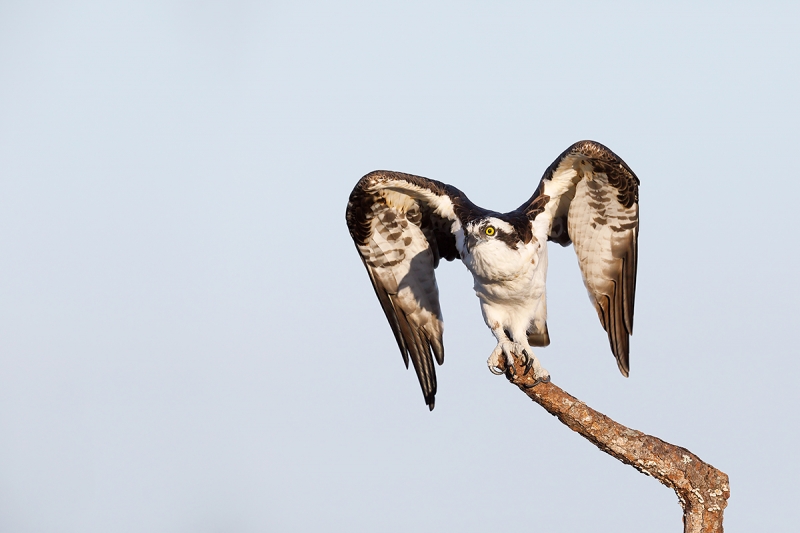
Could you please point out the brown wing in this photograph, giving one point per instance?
(590, 197)
(402, 225)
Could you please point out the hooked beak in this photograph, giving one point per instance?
(470, 241)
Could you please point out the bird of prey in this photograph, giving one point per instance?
(403, 225)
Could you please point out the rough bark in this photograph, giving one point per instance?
(702, 490)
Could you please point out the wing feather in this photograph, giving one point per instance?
(402, 225)
(590, 197)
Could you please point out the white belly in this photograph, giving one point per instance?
(510, 284)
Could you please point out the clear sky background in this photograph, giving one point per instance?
(189, 342)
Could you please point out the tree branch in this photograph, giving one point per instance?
(702, 490)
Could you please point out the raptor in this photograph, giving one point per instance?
(403, 225)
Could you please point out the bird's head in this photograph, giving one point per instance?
(494, 249)
(491, 231)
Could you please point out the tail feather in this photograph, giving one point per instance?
(538, 337)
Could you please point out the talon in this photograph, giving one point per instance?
(528, 362)
(532, 385)
(496, 370)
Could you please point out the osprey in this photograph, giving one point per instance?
(403, 225)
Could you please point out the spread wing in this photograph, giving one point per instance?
(402, 226)
(590, 197)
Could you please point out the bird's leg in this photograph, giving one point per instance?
(495, 360)
(506, 350)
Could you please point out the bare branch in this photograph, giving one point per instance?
(702, 490)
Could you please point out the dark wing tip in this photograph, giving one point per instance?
(623, 363)
(619, 338)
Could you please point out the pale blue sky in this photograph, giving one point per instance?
(189, 342)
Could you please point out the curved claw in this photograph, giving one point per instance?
(496, 370)
(538, 380)
(510, 371)
(528, 362)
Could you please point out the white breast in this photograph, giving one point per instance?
(503, 274)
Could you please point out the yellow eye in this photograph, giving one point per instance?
(489, 230)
